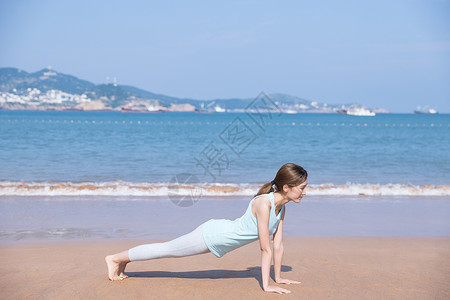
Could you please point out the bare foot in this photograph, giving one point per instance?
(114, 268)
(122, 266)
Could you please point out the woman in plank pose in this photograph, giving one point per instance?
(264, 217)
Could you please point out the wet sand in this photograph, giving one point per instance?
(66, 218)
(328, 267)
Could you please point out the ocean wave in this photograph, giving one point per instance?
(121, 188)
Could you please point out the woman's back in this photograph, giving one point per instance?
(222, 236)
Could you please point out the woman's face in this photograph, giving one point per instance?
(297, 192)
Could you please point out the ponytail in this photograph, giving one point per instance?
(266, 188)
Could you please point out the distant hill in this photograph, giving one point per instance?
(44, 80)
(19, 82)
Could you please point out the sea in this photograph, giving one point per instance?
(71, 174)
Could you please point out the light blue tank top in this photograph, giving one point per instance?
(222, 236)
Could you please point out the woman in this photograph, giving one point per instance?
(264, 217)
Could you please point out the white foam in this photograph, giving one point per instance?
(121, 188)
(356, 189)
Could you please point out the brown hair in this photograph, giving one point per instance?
(290, 174)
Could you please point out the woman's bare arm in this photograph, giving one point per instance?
(278, 248)
(262, 214)
(278, 251)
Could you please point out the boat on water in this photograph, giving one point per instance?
(219, 109)
(360, 112)
(203, 111)
(209, 108)
(149, 109)
(357, 111)
(153, 109)
(425, 111)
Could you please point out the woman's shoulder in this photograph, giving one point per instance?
(262, 201)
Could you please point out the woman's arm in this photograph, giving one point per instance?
(262, 213)
(278, 251)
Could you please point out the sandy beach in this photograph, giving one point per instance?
(328, 267)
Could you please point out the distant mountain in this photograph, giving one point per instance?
(162, 98)
(19, 82)
(44, 80)
(288, 99)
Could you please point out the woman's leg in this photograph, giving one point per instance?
(186, 245)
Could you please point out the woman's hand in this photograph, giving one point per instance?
(276, 289)
(287, 281)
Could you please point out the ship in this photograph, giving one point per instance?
(425, 111)
(150, 109)
(360, 112)
(356, 111)
(209, 108)
(219, 109)
(153, 109)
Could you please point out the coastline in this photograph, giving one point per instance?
(137, 110)
(336, 267)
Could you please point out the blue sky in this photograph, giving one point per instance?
(392, 54)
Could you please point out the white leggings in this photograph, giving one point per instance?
(186, 245)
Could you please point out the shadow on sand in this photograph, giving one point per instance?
(250, 272)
